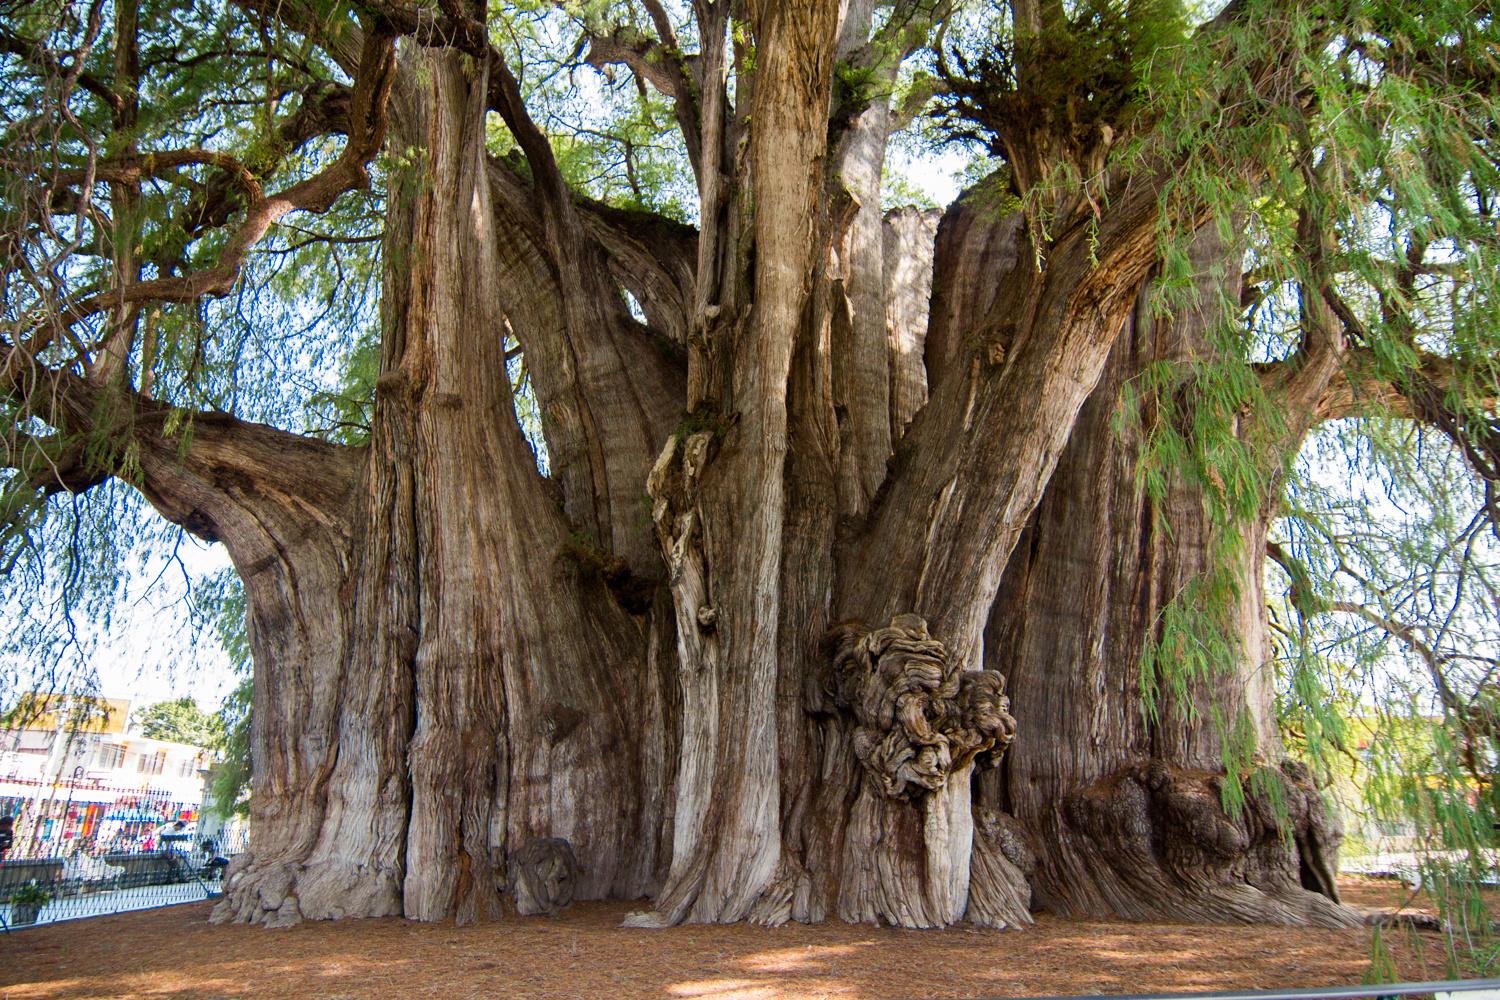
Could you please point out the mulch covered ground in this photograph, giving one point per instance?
(174, 953)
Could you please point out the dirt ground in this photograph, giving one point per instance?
(174, 953)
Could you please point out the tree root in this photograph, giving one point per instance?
(1417, 921)
(1156, 842)
(999, 870)
(283, 894)
(257, 895)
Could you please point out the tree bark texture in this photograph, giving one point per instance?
(1124, 806)
(834, 601)
(520, 700)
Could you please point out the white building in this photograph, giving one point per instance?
(91, 781)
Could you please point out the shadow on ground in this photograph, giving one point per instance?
(174, 953)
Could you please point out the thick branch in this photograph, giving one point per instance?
(605, 420)
(316, 194)
(663, 66)
(232, 467)
(652, 256)
(43, 58)
(1359, 388)
(136, 167)
(52, 464)
(1408, 635)
(327, 113)
(457, 29)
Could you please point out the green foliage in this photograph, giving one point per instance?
(897, 190)
(232, 778)
(219, 604)
(1090, 66)
(278, 350)
(1382, 968)
(30, 894)
(1388, 678)
(344, 415)
(584, 554)
(1360, 193)
(614, 140)
(1343, 155)
(1194, 641)
(1194, 647)
(181, 721)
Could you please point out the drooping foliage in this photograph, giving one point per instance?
(1242, 224)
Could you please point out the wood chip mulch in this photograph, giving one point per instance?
(174, 953)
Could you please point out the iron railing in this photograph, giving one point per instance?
(87, 886)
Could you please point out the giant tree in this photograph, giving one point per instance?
(819, 475)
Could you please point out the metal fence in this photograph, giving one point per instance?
(130, 854)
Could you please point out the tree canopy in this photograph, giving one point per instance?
(181, 721)
(607, 457)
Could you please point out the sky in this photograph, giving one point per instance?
(939, 174)
(145, 661)
(146, 654)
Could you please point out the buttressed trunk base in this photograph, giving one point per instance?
(746, 649)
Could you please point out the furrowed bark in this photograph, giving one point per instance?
(534, 693)
(848, 848)
(286, 508)
(907, 243)
(1123, 809)
(609, 389)
(486, 656)
(860, 266)
(862, 373)
(453, 360)
(720, 516)
(609, 395)
(974, 462)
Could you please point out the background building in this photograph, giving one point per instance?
(72, 773)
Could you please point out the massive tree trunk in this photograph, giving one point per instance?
(746, 649)
(719, 739)
(494, 691)
(1120, 792)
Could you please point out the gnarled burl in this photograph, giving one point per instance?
(920, 725)
(921, 718)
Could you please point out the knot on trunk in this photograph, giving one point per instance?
(542, 876)
(673, 488)
(919, 716)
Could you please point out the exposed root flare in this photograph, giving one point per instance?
(1416, 921)
(1002, 863)
(920, 716)
(1171, 849)
(542, 875)
(257, 895)
(271, 889)
(788, 891)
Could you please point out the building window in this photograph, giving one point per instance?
(152, 763)
(111, 755)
